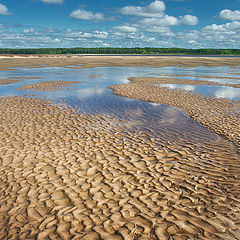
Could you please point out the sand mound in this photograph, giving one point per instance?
(48, 85)
(69, 176)
(162, 80)
(7, 81)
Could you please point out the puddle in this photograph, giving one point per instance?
(93, 97)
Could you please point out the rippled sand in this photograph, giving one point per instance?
(48, 85)
(220, 115)
(70, 176)
(66, 175)
(162, 80)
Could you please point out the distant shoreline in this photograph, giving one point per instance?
(142, 51)
(118, 55)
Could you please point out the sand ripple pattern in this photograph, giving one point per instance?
(48, 85)
(70, 176)
(219, 115)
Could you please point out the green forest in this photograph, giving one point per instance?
(142, 51)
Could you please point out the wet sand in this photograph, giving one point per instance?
(219, 115)
(95, 76)
(70, 176)
(48, 85)
(10, 80)
(162, 80)
(7, 81)
(11, 62)
(66, 175)
(22, 78)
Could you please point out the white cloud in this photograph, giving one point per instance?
(155, 9)
(230, 15)
(86, 15)
(227, 27)
(162, 22)
(1, 25)
(4, 10)
(189, 20)
(153, 19)
(52, 1)
(29, 30)
(87, 35)
(125, 28)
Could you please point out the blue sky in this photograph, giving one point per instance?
(132, 23)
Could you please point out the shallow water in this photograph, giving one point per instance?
(93, 97)
(216, 91)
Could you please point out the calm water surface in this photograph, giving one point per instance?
(93, 97)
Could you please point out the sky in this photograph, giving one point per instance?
(120, 23)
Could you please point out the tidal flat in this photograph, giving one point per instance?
(79, 162)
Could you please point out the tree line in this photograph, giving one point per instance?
(143, 51)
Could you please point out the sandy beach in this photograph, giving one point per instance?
(85, 61)
(69, 175)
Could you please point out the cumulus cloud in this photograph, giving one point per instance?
(4, 10)
(86, 15)
(189, 20)
(230, 15)
(52, 1)
(227, 27)
(153, 19)
(162, 22)
(153, 25)
(29, 30)
(126, 28)
(155, 9)
(86, 35)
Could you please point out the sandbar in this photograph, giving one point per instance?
(48, 85)
(7, 81)
(162, 80)
(39, 61)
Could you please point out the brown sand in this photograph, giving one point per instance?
(95, 76)
(25, 77)
(15, 79)
(113, 61)
(48, 85)
(7, 81)
(70, 176)
(219, 115)
(160, 80)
